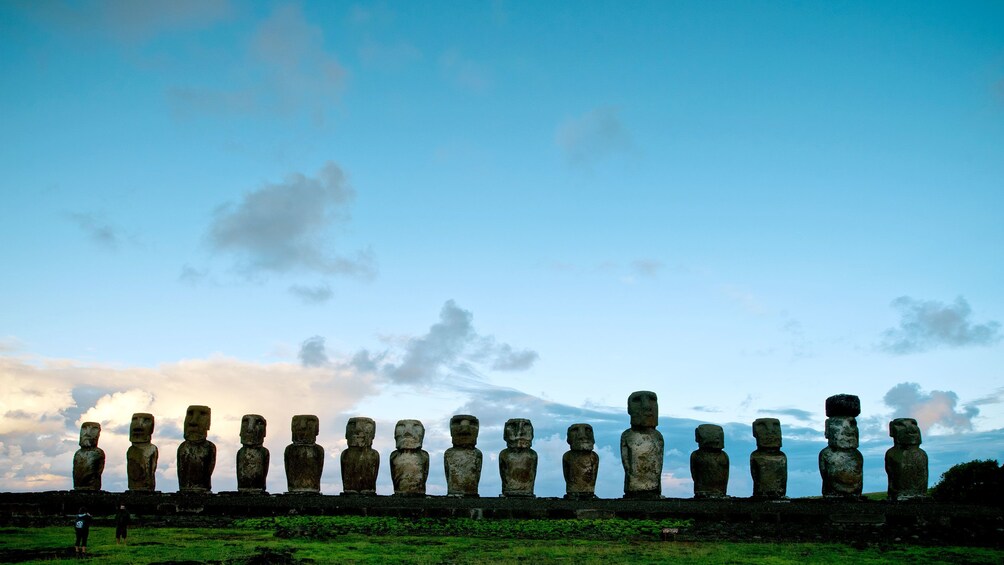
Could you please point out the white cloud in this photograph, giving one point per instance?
(36, 399)
(286, 227)
(453, 346)
(929, 324)
(937, 407)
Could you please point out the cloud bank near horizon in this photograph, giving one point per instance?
(44, 401)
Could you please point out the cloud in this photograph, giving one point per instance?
(43, 402)
(929, 324)
(312, 352)
(802, 415)
(934, 408)
(282, 227)
(594, 136)
(100, 232)
(453, 346)
(131, 21)
(312, 294)
(800, 346)
(38, 436)
(283, 70)
(507, 359)
(10, 343)
(647, 267)
(191, 275)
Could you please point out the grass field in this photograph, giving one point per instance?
(344, 540)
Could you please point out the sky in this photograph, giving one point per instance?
(508, 209)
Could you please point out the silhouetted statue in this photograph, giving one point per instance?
(141, 457)
(580, 463)
(196, 455)
(89, 460)
(709, 464)
(906, 462)
(253, 457)
(517, 462)
(642, 448)
(768, 464)
(462, 462)
(409, 463)
(360, 462)
(304, 458)
(840, 463)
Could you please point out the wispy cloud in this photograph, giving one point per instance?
(192, 275)
(648, 268)
(593, 136)
(929, 324)
(453, 346)
(312, 294)
(131, 21)
(284, 227)
(97, 229)
(284, 69)
(796, 413)
(934, 408)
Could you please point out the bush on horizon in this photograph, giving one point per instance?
(973, 482)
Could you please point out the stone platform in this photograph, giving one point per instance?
(741, 519)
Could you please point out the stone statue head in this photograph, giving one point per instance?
(252, 430)
(464, 430)
(580, 437)
(408, 434)
(304, 428)
(359, 432)
(518, 433)
(767, 432)
(89, 433)
(842, 433)
(710, 436)
(197, 420)
(904, 432)
(643, 406)
(141, 428)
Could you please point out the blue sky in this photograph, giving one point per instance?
(516, 209)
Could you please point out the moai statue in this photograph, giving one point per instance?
(517, 462)
(709, 464)
(89, 460)
(906, 462)
(409, 463)
(304, 459)
(642, 448)
(253, 457)
(580, 464)
(463, 461)
(840, 463)
(141, 457)
(196, 455)
(360, 462)
(768, 464)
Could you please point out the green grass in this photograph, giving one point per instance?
(254, 542)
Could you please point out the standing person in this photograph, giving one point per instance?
(81, 526)
(121, 523)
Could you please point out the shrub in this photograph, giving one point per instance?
(980, 482)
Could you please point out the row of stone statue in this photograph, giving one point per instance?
(642, 451)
